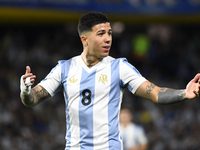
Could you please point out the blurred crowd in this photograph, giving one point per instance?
(167, 55)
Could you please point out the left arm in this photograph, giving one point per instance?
(166, 95)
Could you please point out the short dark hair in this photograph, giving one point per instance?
(90, 19)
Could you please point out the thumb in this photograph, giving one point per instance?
(28, 69)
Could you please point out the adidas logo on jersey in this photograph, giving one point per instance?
(73, 80)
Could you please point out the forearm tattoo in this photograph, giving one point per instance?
(37, 95)
(169, 96)
(40, 93)
(150, 88)
(28, 100)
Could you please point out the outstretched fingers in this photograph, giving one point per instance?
(196, 78)
(197, 81)
(29, 74)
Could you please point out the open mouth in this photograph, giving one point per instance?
(106, 47)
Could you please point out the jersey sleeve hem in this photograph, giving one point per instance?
(142, 80)
(47, 88)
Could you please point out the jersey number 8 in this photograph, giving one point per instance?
(86, 100)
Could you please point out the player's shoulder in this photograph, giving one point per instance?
(61, 62)
(109, 59)
(69, 61)
(137, 127)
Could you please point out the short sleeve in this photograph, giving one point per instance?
(52, 82)
(130, 76)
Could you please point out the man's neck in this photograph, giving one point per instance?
(90, 60)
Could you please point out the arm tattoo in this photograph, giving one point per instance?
(170, 96)
(37, 95)
(41, 93)
(30, 100)
(150, 88)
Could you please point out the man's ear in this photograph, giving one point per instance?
(84, 40)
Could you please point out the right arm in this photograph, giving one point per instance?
(167, 95)
(37, 95)
(31, 97)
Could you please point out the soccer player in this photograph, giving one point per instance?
(133, 135)
(93, 85)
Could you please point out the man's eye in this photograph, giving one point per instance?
(100, 34)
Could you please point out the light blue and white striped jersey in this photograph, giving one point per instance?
(93, 98)
(133, 136)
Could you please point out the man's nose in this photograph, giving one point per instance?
(108, 38)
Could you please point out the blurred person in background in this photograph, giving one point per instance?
(93, 85)
(133, 135)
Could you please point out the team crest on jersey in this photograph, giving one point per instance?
(73, 80)
(103, 78)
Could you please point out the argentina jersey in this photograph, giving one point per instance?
(93, 98)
